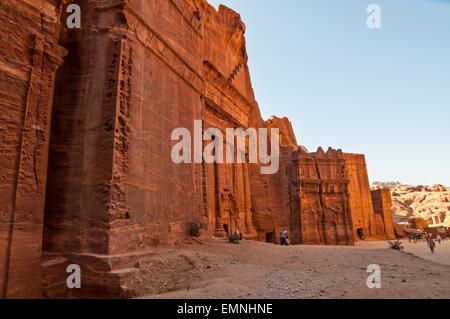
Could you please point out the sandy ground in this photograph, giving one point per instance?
(217, 269)
(441, 254)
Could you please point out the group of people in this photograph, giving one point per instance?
(284, 238)
(428, 238)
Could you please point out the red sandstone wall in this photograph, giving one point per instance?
(360, 199)
(271, 199)
(229, 102)
(320, 186)
(382, 206)
(155, 66)
(334, 190)
(136, 71)
(287, 136)
(136, 81)
(317, 197)
(306, 206)
(29, 57)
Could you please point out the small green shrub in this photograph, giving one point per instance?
(196, 227)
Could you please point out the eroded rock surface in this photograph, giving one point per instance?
(432, 203)
(29, 58)
(111, 193)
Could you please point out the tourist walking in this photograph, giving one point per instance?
(438, 238)
(431, 244)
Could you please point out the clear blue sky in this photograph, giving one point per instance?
(382, 92)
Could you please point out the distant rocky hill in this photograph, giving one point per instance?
(429, 202)
(389, 185)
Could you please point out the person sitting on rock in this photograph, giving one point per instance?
(238, 234)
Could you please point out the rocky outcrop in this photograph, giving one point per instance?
(287, 136)
(388, 185)
(431, 203)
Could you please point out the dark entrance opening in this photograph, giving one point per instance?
(271, 238)
(360, 232)
(225, 227)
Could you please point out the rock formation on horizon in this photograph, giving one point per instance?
(432, 203)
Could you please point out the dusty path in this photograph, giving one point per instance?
(217, 269)
(420, 249)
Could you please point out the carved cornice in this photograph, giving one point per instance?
(219, 81)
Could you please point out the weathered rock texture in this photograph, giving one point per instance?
(363, 216)
(134, 72)
(29, 58)
(383, 214)
(320, 207)
(287, 136)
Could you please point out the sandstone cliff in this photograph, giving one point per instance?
(431, 203)
(86, 169)
(29, 58)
